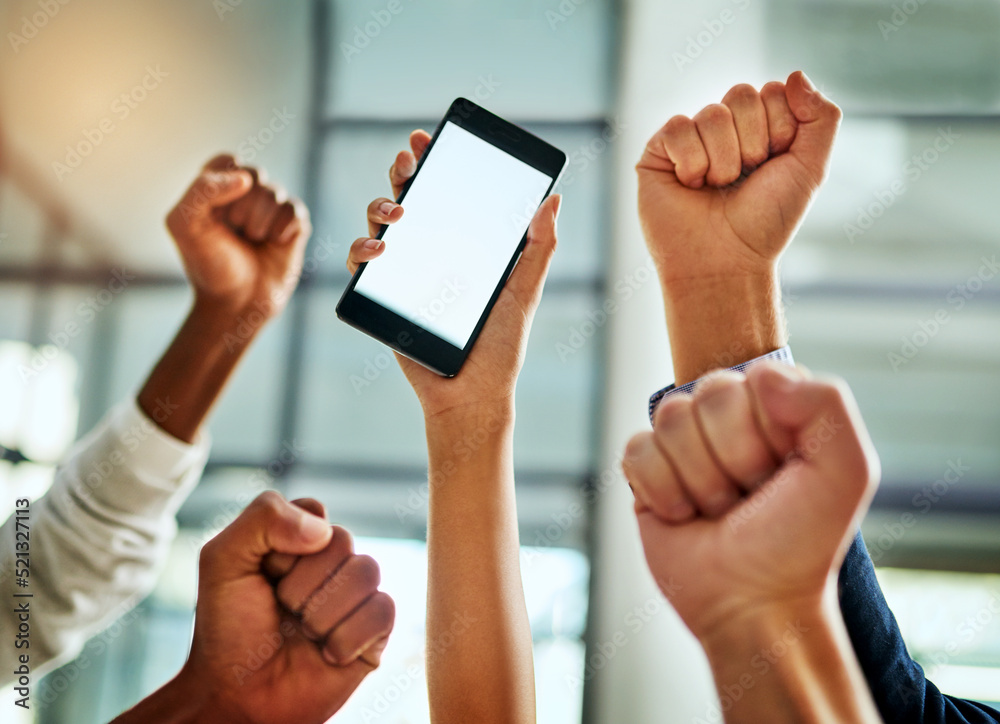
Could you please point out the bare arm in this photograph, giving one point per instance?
(479, 648)
(720, 196)
(242, 243)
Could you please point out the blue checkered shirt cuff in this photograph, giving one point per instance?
(779, 355)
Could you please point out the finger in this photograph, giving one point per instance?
(781, 123)
(728, 423)
(262, 214)
(212, 189)
(269, 523)
(750, 119)
(363, 632)
(419, 141)
(401, 170)
(818, 120)
(297, 230)
(718, 134)
(239, 212)
(310, 573)
(277, 565)
(382, 211)
(373, 654)
(824, 422)
(284, 217)
(363, 250)
(677, 435)
(223, 162)
(352, 584)
(528, 277)
(654, 480)
(684, 148)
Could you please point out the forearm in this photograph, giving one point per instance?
(479, 657)
(790, 665)
(184, 385)
(722, 321)
(179, 701)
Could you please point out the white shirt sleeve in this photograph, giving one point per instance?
(98, 538)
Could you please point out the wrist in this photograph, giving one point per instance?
(721, 321)
(232, 324)
(752, 626)
(470, 437)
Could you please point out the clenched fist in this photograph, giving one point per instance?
(241, 239)
(748, 492)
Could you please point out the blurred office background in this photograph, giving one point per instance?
(892, 283)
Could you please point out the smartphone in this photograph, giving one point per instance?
(468, 207)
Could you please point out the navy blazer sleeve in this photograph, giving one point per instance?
(899, 687)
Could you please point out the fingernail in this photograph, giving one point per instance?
(680, 512)
(808, 83)
(386, 208)
(373, 244)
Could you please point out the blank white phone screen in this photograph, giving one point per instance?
(464, 215)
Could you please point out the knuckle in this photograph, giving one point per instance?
(343, 538)
(383, 611)
(633, 453)
(269, 503)
(367, 571)
(741, 94)
(772, 88)
(672, 411)
(713, 114)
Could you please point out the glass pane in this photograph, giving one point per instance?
(244, 425)
(431, 52)
(949, 623)
(928, 399)
(357, 407)
(15, 321)
(907, 202)
(355, 171)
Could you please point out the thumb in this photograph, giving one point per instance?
(528, 277)
(818, 118)
(824, 425)
(269, 524)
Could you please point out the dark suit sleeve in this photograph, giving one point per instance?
(899, 687)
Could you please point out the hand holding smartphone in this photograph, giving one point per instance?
(468, 207)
